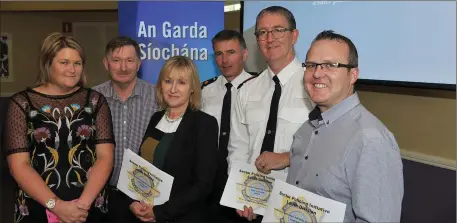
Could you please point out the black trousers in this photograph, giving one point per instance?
(217, 212)
(118, 207)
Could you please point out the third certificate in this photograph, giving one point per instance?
(289, 203)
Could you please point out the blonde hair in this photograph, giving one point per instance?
(178, 64)
(53, 43)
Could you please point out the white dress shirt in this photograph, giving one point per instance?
(250, 115)
(213, 95)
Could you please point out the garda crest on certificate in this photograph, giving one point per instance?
(247, 186)
(289, 203)
(142, 181)
(254, 189)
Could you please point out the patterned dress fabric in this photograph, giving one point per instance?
(60, 133)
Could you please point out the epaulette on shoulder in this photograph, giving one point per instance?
(208, 82)
(252, 77)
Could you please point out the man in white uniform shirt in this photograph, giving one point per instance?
(231, 54)
(271, 107)
(218, 97)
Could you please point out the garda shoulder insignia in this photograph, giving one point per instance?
(252, 77)
(208, 82)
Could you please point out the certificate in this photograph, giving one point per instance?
(140, 180)
(246, 186)
(289, 203)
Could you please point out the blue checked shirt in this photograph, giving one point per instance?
(130, 119)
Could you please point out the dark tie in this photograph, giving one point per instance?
(269, 139)
(225, 121)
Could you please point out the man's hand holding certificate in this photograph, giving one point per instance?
(247, 186)
(140, 180)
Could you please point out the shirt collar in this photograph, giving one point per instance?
(328, 117)
(110, 90)
(285, 74)
(237, 80)
(137, 90)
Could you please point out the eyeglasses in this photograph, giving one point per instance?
(276, 32)
(311, 67)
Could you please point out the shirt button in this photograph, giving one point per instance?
(269, 132)
(125, 122)
(306, 157)
(224, 133)
(125, 138)
(297, 182)
(125, 106)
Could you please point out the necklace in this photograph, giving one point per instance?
(169, 120)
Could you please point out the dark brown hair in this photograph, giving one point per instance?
(121, 41)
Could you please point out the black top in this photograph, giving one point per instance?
(161, 150)
(60, 133)
(155, 146)
(191, 158)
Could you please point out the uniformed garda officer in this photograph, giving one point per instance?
(271, 107)
(218, 97)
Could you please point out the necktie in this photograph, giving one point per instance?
(269, 139)
(225, 121)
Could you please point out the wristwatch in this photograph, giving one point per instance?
(51, 203)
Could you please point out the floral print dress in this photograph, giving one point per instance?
(60, 133)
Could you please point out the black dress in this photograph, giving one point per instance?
(60, 133)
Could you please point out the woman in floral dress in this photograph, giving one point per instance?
(59, 141)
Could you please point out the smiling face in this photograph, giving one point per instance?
(176, 88)
(230, 58)
(276, 50)
(327, 87)
(66, 68)
(122, 64)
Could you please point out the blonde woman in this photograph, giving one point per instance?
(59, 140)
(182, 141)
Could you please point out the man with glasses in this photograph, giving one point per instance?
(273, 105)
(343, 152)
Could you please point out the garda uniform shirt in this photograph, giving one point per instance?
(251, 111)
(213, 92)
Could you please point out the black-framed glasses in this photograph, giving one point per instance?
(276, 32)
(325, 66)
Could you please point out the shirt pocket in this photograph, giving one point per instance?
(291, 119)
(254, 120)
(294, 115)
(300, 100)
(255, 115)
(212, 106)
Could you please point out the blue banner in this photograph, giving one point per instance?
(166, 29)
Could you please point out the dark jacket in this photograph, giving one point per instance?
(192, 160)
